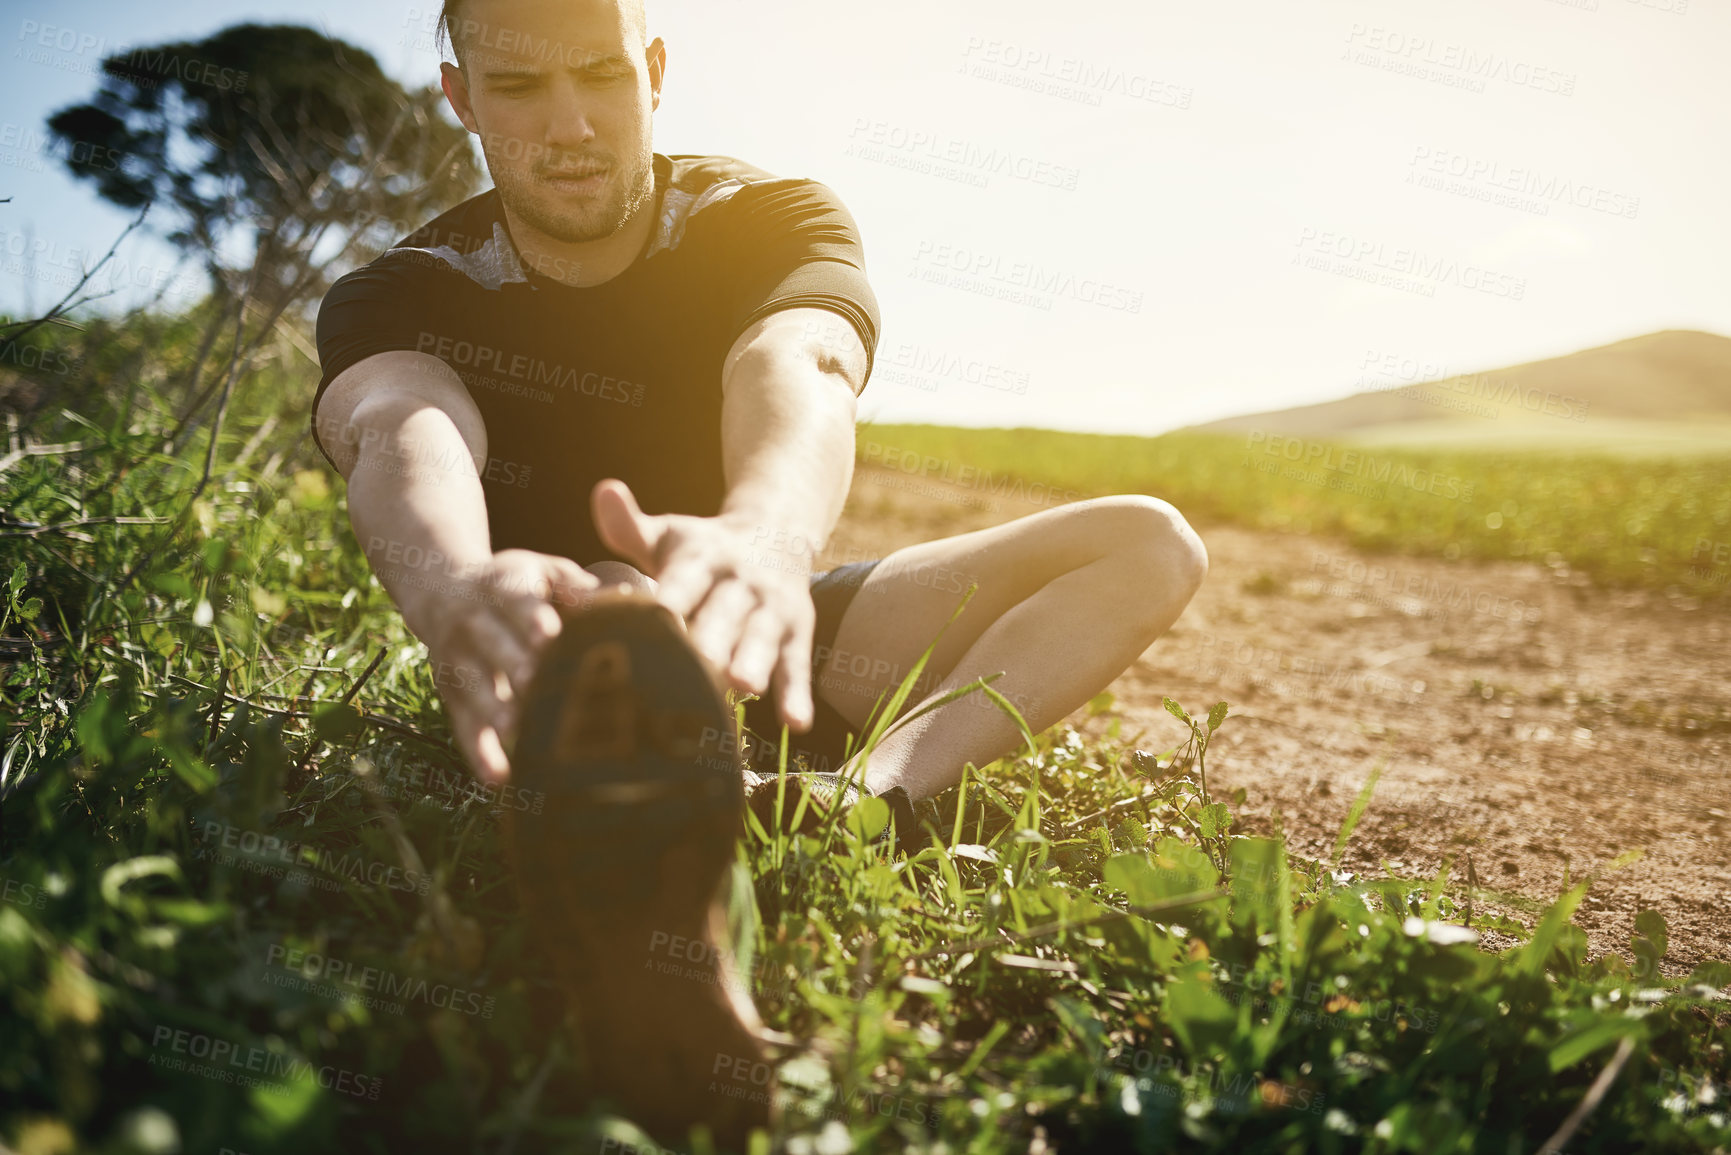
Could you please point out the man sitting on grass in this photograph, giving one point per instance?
(619, 368)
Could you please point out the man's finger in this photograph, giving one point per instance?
(490, 756)
(478, 717)
(793, 680)
(571, 583)
(759, 646)
(716, 626)
(508, 712)
(500, 649)
(684, 585)
(623, 527)
(533, 621)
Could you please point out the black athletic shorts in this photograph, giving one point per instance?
(824, 747)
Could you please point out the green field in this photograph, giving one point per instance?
(221, 748)
(1659, 522)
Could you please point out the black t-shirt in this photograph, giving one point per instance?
(621, 379)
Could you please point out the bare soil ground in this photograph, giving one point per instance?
(1521, 716)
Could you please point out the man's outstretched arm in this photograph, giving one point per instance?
(741, 580)
(405, 434)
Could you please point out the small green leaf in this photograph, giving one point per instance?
(1255, 874)
(268, 602)
(1177, 711)
(172, 584)
(1150, 765)
(116, 877)
(1650, 925)
(1356, 812)
(30, 609)
(1531, 959)
(215, 553)
(1584, 1042)
(1217, 716)
(93, 726)
(1173, 870)
(1083, 1024)
(336, 721)
(1214, 819)
(190, 912)
(194, 771)
(1712, 973)
(281, 1107)
(1569, 951)
(1202, 1021)
(931, 988)
(868, 817)
(1612, 965)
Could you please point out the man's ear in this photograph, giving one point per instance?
(456, 87)
(656, 58)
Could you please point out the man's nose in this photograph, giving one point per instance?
(568, 125)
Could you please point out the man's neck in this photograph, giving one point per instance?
(588, 263)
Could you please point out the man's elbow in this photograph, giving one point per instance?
(803, 340)
(849, 366)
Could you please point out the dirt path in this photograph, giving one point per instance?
(1520, 715)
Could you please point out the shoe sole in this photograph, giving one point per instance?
(626, 740)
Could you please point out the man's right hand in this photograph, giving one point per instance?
(387, 420)
(484, 634)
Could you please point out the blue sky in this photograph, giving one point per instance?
(1126, 216)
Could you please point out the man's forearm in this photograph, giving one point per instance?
(787, 429)
(417, 508)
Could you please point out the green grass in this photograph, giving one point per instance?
(1659, 523)
(1609, 437)
(220, 747)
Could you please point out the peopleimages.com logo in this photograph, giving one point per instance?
(1336, 461)
(232, 845)
(143, 67)
(321, 973)
(1400, 266)
(177, 1049)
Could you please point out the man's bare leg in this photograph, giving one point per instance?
(1068, 598)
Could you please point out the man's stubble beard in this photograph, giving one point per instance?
(573, 224)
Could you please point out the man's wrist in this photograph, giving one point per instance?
(782, 543)
(427, 593)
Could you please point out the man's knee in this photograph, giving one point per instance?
(619, 573)
(1158, 537)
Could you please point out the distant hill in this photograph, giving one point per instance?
(1671, 386)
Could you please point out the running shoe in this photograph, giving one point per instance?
(624, 745)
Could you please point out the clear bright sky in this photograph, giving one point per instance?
(1128, 216)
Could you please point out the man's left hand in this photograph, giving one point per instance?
(752, 616)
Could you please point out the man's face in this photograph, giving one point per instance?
(560, 92)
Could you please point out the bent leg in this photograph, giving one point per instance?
(1068, 598)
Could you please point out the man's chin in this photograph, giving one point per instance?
(559, 222)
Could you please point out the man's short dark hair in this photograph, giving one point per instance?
(451, 16)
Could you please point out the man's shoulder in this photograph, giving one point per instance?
(694, 173)
(463, 228)
(699, 185)
(468, 239)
